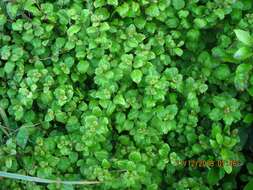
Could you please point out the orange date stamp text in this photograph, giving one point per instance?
(208, 163)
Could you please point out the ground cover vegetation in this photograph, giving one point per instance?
(117, 92)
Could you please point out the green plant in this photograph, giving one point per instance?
(119, 92)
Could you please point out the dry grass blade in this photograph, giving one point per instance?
(41, 180)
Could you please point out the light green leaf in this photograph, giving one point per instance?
(215, 114)
(49, 116)
(99, 3)
(243, 36)
(18, 25)
(243, 53)
(112, 2)
(5, 52)
(200, 22)
(132, 42)
(68, 187)
(22, 136)
(9, 67)
(178, 4)
(228, 169)
(102, 13)
(219, 138)
(123, 9)
(119, 99)
(163, 4)
(136, 75)
(73, 30)
(48, 8)
(178, 51)
(83, 66)
(152, 10)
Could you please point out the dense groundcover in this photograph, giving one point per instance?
(126, 92)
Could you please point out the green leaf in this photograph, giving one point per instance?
(49, 115)
(248, 118)
(178, 4)
(244, 68)
(22, 136)
(222, 72)
(171, 111)
(135, 156)
(216, 129)
(243, 53)
(242, 76)
(119, 99)
(134, 10)
(228, 169)
(2, 20)
(250, 168)
(102, 13)
(47, 8)
(5, 52)
(83, 66)
(249, 185)
(113, 2)
(68, 187)
(123, 9)
(72, 124)
(73, 30)
(163, 4)
(136, 75)
(215, 114)
(219, 138)
(8, 162)
(227, 154)
(139, 22)
(9, 67)
(213, 176)
(178, 51)
(200, 23)
(243, 37)
(12, 10)
(99, 3)
(18, 25)
(30, 7)
(152, 10)
(132, 43)
(164, 150)
(220, 13)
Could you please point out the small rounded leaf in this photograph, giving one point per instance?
(152, 10)
(178, 4)
(136, 75)
(135, 156)
(83, 66)
(73, 30)
(22, 136)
